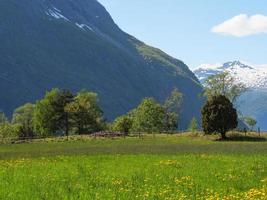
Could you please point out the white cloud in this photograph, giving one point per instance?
(242, 25)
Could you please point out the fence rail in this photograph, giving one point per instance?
(108, 134)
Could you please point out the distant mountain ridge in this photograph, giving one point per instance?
(252, 77)
(76, 45)
(252, 103)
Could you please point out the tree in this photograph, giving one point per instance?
(8, 130)
(170, 121)
(23, 117)
(172, 107)
(193, 126)
(123, 124)
(50, 116)
(149, 116)
(85, 113)
(44, 115)
(251, 122)
(3, 118)
(219, 116)
(62, 99)
(224, 84)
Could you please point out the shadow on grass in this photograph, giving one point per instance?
(240, 138)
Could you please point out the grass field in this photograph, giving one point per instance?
(165, 167)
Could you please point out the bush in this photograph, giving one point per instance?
(8, 130)
(219, 116)
(122, 124)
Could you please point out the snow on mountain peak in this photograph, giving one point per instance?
(56, 13)
(252, 77)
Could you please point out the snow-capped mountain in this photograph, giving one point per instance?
(253, 102)
(252, 77)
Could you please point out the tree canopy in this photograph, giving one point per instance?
(149, 116)
(123, 124)
(23, 117)
(219, 116)
(224, 84)
(85, 113)
(47, 113)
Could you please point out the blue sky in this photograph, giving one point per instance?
(183, 28)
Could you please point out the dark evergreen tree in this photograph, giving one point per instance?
(219, 116)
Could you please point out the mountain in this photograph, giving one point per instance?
(76, 45)
(252, 103)
(250, 76)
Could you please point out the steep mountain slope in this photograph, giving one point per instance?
(252, 103)
(76, 45)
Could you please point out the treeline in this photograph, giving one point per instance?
(61, 113)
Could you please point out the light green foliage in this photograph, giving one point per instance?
(174, 102)
(85, 113)
(172, 107)
(3, 118)
(123, 124)
(50, 117)
(224, 84)
(193, 126)
(8, 130)
(251, 122)
(23, 117)
(44, 116)
(149, 116)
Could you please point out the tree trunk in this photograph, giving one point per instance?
(67, 124)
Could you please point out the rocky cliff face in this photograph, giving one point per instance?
(76, 45)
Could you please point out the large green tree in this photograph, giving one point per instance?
(224, 84)
(170, 121)
(219, 116)
(174, 102)
(62, 99)
(172, 107)
(50, 116)
(23, 117)
(149, 116)
(85, 113)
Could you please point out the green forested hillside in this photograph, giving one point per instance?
(76, 45)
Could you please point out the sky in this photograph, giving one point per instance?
(197, 31)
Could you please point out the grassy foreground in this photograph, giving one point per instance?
(166, 167)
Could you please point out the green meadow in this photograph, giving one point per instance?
(164, 167)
